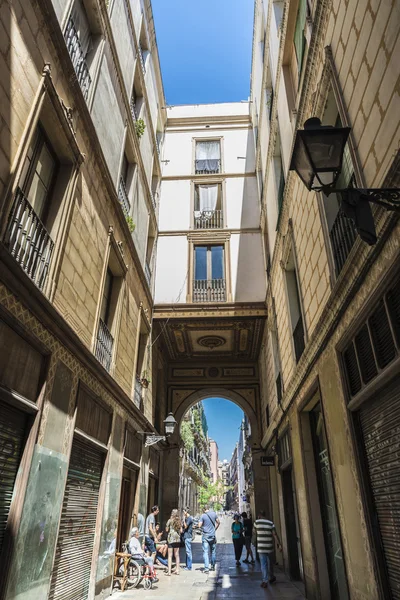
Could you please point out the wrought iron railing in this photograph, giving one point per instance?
(134, 111)
(153, 200)
(298, 339)
(343, 235)
(104, 346)
(147, 272)
(78, 57)
(207, 166)
(141, 59)
(208, 219)
(209, 290)
(28, 241)
(137, 396)
(123, 197)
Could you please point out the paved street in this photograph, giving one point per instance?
(228, 581)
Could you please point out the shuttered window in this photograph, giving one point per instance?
(73, 560)
(12, 437)
(376, 344)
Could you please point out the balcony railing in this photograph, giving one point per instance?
(137, 396)
(298, 339)
(123, 197)
(207, 166)
(104, 346)
(343, 235)
(141, 58)
(153, 200)
(208, 219)
(134, 111)
(209, 290)
(78, 57)
(28, 241)
(147, 272)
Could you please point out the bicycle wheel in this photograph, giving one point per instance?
(134, 574)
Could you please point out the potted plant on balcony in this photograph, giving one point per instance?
(144, 380)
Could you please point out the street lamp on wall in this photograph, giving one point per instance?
(317, 159)
(169, 428)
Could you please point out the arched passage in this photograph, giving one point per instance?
(181, 402)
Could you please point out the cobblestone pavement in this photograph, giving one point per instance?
(228, 582)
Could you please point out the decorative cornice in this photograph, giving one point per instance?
(227, 232)
(209, 310)
(199, 178)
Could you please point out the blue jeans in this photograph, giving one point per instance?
(265, 563)
(209, 546)
(188, 548)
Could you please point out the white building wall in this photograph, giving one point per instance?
(247, 268)
(172, 267)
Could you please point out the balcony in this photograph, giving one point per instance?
(207, 166)
(123, 197)
(137, 396)
(134, 111)
(147, 272)
(208, 219)
(104, 346)
(28, 241)
(298, 339)
(343, 235)
(209, 290)
(141, 59)
(78, 58)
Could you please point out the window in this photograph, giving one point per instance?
(127, 182)
(296, 320)
(342, 232)
(82, 42)
(208, 206)
(209, 277)
(149, 253)
(299, 35)
(208, 157)
(278, 172)
(27, 238)
(277, 364)
(110, 307)
(376, 344)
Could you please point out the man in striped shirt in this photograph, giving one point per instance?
(265, 532)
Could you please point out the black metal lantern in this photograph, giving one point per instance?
(318, 154)
(317, 159)
(170, 424)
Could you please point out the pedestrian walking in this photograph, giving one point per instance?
(210, 523)
(174, 529)
(187, 536)
(248, 531)
(150, 532)
(237, 538)
(266, 533)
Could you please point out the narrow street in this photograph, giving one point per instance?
(228, 581)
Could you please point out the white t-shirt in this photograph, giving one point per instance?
(135, 547)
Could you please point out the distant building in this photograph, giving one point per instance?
(214, 460)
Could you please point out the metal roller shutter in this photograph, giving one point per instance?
(12, 437)
(380, 424)
(71, 572)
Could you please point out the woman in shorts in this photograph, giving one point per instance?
(174, 529)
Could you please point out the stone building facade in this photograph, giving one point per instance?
(329, 362)
(79, 181)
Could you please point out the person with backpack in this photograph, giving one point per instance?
(209, 522)
(248, 530)
(188, 537)
(237, 538)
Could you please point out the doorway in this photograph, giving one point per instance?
(292, 525)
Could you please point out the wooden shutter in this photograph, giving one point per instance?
(71, 572)
(12, 437)
(380, 425)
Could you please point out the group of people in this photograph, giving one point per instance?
(263, 533)
(163, 547)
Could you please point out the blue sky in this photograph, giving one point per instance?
(205, 49)
(223, 420)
